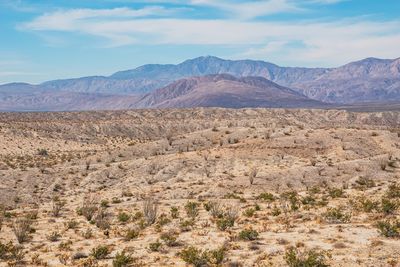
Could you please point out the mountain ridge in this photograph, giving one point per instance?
(367, 80)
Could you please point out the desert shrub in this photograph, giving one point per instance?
(123, 217)
(87, 234)
(228, 218)
(194, 256)
(15, 255)
(366, 204)
(310, 258)
(186, 225)
(389, 206)
(170, 238)
(276, 211)
(150, 211)
(389, 229)
(155, 246)
(100, 252)
(88, 209)
(65, 246)
(248, 235)
(56, 207)
(53, 236)
(192, 209)
(1, 220)
(292, 198)
(163, 220)
(252, 174)
(174, 211)
(131, 234)
(217, 256)
(336, 215)
(104, 203)
(22, 229)
(266, 197)
(393, 191)
(102, 219)
(122, 259)
(364, 183)
(335, 192)
(4, 250)
(224, 223)
(42, 152)
(215, 209)
(308, 200)
(71, 224)
(197, 257)
(249, 212)
(137, 216)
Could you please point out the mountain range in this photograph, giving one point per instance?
(211, 81)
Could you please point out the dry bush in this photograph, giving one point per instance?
(22, 228)
(252, 175)
(56, 207)
(150, 208)
(102, 219)
(88, 209)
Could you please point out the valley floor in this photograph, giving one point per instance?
(202, 187)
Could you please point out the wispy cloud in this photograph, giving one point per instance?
(324, 41)
(252, 9)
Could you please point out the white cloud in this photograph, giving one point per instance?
(334, 42)
(252, 9)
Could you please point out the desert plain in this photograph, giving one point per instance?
(200, 187)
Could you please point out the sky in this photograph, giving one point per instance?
(53, 39)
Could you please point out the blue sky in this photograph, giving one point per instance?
(51, 39)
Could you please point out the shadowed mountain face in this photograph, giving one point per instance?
(368, 80)
(225, 90)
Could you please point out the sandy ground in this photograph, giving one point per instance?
(306, 163)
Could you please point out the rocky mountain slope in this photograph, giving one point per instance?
(225, 90)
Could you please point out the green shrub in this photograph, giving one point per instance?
(170, 238)
(194, 256)
(266, 197)
(248, 235)
(100, 252)
(335, 215)
(393, 191)
(276, 211)
(308, 200)
(131, 234)
(155, 246)
(123, 217)
(224, 223)
(249, 212)
(71, 224)
(335, 192)
(293, 199)
(367, 205)
(217, 256)
(389, 206)
(389, 229)
(364, 183)
(311, 258)
(174, 212)
(192, 209)
(122, 260)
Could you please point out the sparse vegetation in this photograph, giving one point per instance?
(295, 258)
